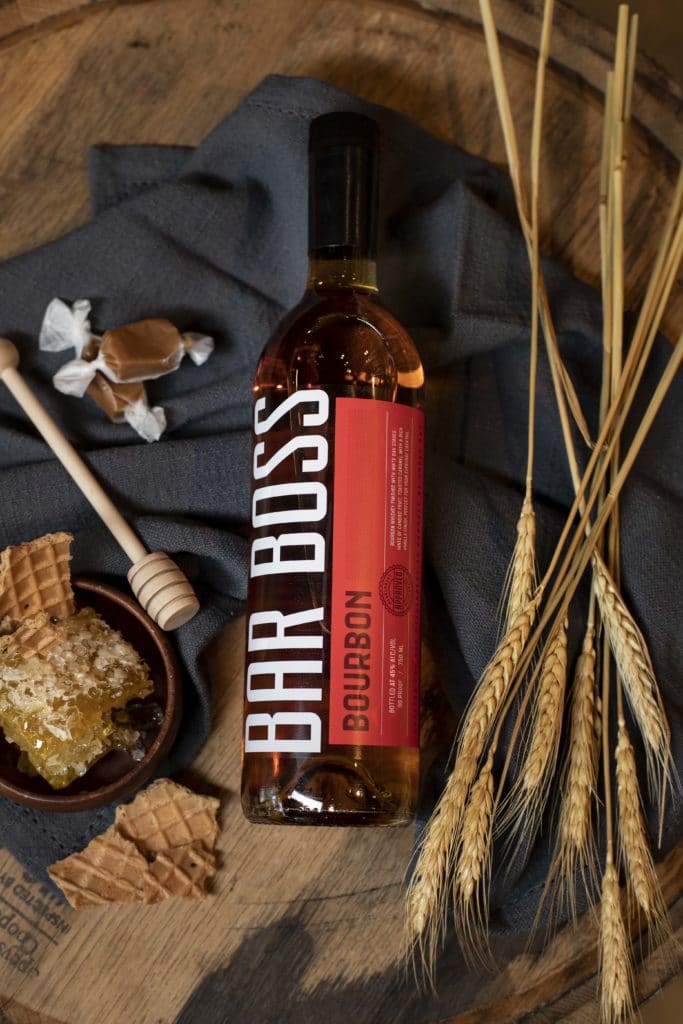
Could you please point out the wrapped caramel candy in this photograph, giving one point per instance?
(112, 368)
(127, 403)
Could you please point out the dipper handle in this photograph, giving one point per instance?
(169, 610)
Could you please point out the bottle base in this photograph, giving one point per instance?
(301, 816)
(337, 790)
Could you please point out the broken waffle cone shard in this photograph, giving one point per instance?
(167, 815)
(161, 846)
(35, 636)
(183, 871)
(35, 577)
(109, 870)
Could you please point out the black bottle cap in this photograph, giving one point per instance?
(343, 188)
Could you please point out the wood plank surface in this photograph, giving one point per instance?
(302, 926)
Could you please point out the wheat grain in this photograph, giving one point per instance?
(476, 834)
(524, 804)
(635, 668)
(616, 972)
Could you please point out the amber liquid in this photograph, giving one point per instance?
(338, 339)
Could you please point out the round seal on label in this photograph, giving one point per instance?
(396, 589)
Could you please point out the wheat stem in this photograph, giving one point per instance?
(561, 379)
(579, 555)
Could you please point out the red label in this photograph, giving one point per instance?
(376, 574)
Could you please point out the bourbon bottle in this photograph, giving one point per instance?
(333, 619)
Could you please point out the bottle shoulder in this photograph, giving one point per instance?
(338, 338)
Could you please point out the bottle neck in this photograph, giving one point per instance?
(356, 274)
(342, 202)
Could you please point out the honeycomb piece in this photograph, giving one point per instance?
(35, 577)
(167, 815)
(183, 871)
(109, 870)
(57, 706)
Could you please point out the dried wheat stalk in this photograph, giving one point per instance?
(544, 742)
(457, 843)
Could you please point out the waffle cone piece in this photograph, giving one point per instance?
(167, 815)
(182, 871)
(109, 870)
(35, 636)
(161, 846)
(35, 577)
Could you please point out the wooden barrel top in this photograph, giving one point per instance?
(302, 926)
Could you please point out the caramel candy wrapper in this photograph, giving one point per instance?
(136, 352)
(66, 327)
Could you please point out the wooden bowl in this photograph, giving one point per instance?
(117, 774)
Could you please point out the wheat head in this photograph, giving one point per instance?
(580, 784)
(522, 576)
(473, 865)
(427, 895)
(494, 684)
(524, 804)
(635, 668)
(616, 970)
(574, 852)
(641, 876)
(547, 725)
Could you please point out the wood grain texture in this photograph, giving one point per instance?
(302, 926)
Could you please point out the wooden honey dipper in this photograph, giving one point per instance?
(159, 585)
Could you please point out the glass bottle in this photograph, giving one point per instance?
(333, 620)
